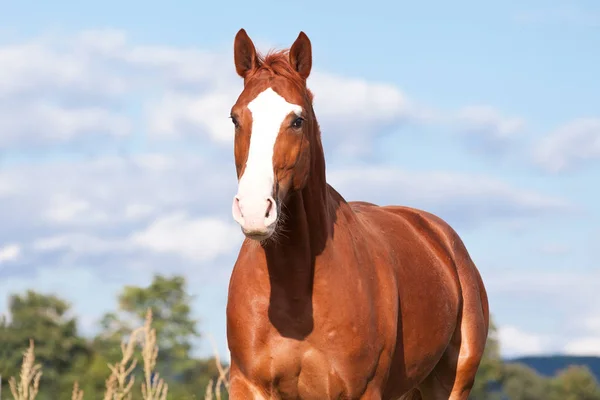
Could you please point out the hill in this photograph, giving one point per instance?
(550, 365)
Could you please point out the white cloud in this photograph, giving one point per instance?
(35, 122)
(63, 208)
(138, 210)
(549, 283)
(9, 252)
(560, 305)
(570, 145)
(587, 346)
(587, 341)
(592, 323)
(111, 210)
(62, 89)
(514, 341)
(77, 243)
(462, 198)
(195, 239)
(488, 121)
(200, 239)
(67, 89)
(184, 92)
(181, 114)
(50, 65)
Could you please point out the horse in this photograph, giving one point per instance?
(328, 298)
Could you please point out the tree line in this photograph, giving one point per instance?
(500, 380)
(68, 359)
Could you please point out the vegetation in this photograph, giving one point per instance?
(143, 351)
(514, 380)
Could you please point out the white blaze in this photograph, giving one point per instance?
(269, 110)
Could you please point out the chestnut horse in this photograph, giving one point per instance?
(330, 299)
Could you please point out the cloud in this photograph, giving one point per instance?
(99, 85)
(587, 341)
(587, 346)
(569, 307)
(61, 89)
(514, 341)
(570, 146)
(200, 239)
(111, 212)
(485, 128)
(38, 123)
(151, 208)
(9, 252)
(462, 199)
(181, 115)
(352, 112)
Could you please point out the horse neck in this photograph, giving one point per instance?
(305, 228)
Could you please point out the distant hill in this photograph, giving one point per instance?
(550, 365)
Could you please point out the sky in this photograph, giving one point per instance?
(116, 158)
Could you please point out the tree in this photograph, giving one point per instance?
(175, 331)
(490, 369)
(520, 382)
(58, 347)
(575, 383)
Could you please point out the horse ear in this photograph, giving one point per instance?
(244, 53)
(301, 55)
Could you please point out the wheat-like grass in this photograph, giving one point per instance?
(223, 379)
(28, 386)
(77, 393)
(157, 389)
(209, 391)
(120, 381)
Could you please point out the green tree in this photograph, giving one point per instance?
(58, 347)
(575, 383)
(175, 330)
(490, 369)
(520, 382)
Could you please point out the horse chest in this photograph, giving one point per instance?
(327, 367)
(288, 369)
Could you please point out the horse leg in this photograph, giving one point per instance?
(240, 388)
(454, 375)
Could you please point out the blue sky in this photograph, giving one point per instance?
(117, 162)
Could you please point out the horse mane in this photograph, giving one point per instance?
(277, 62)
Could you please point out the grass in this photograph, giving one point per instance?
(120, 381)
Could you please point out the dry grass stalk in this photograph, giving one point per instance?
(120, 381)
(28, 387)
(77, 393)
(209, 391)
(151, 389)
(223, 379)
(111, 387)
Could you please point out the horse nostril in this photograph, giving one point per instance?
(269, 206)
(238, 209)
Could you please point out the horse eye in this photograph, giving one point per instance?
(235, 122)
(297, 122)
